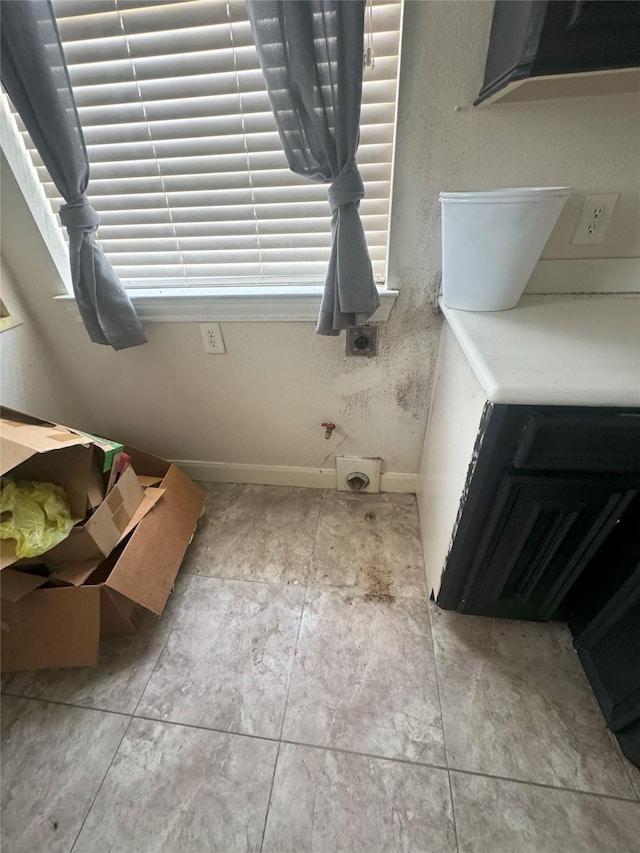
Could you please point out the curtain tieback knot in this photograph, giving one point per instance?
(346, 188)
(79, 215)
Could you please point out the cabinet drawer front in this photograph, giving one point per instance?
(608, 442)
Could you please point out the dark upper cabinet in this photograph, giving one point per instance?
(533, 39)
(546, 488)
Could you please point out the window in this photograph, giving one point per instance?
(187, 171)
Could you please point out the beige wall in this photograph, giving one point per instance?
(32, 378)
(263, 402)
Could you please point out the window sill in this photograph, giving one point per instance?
(235, 305)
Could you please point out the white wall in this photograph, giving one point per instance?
(456, 410)
(32, 378)
(264, 401)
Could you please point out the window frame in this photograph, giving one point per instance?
(161, 304)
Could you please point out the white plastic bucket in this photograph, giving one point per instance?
(491, 241)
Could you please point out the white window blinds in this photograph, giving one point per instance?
(187, 170)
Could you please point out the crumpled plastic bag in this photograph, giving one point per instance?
(40, 516)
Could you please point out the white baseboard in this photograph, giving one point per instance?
(398, 482)
(284, 475)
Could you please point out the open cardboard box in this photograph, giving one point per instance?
(88, 544)
(99, 534)
(39, 450)
(34, 449)
(60, 625)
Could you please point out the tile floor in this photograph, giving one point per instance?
(301, 694)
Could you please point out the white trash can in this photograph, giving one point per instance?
(491, 241)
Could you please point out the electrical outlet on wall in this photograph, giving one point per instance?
(212, 338)
(594, 218)
(362, 341)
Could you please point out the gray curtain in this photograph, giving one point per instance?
(36, 78)
(311, 54)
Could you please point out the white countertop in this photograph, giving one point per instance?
(559, 349)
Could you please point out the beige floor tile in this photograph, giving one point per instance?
(330, 802)
(516, 703)
(219, 496)
(370, 543)
(364, 678)
(495, 816)
(227, 662)
(181, 790)
(124, 667)
(355, 668)
(263, 533)
(53, 760)
(634, 773)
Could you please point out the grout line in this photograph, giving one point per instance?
(435, 669)
(293, 661)
(627, 765)
(507, 778)
(204, 728)
(373, 755)
(450, 770)
(430, 765)
(246, 580)
(69, 704)
(174, 618)
(444, 737)
(311, 585)
(273, 779)
(95, 797)
(315, 542)
(131, 718)
(356, 589)
(453, 812)
(546, 785)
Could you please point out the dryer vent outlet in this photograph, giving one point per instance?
(357, 481)
(358, 473)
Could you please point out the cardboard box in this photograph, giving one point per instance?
(33, 449)
(105, 467)
(60, 624)
(96, 538)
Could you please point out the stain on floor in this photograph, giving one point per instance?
(378, 583)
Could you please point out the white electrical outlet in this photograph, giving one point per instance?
(594, 218)
(212, 338)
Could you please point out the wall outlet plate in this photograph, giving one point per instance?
(594, 218)
(362, 341)
(212, 338)
(368, 465)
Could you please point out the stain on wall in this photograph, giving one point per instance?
(264, 401)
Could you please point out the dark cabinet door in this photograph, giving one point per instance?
(540, 534)
(545, 488)
(610, 653)
(588, 35)
(605, 621)
(536, 38)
